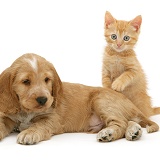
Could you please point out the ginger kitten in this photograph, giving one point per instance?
(121, 69)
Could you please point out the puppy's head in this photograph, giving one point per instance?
(34, 83)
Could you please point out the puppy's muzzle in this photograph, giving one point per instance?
(41, 100)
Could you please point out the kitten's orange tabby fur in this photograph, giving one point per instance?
(121, 69)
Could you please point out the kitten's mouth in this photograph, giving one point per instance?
(119, 49)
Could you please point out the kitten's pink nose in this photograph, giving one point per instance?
(119, 44)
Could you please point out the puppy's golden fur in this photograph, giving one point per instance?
(35, 102)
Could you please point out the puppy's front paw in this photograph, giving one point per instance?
(118, 86)
(1, 135)
(105, 135)
(133, 132)
(28, 137)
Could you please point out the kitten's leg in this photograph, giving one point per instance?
(143, 102)
(123, 80)
(6, 127)
(133, 132)
(106, 80)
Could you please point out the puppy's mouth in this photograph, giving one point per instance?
(36, 108)
(41, 107)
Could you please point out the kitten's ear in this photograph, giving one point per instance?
(108, 19)
(136, 22)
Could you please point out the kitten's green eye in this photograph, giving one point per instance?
(126, 38)
(114, 36)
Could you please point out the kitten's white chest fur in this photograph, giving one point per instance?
(116, 66)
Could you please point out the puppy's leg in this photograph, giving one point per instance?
(111, 133)
(42, 129)
(115, 111)
(6, 127)
(133, 132)
(115, 123)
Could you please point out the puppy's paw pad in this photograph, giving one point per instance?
(105, 135)
(28, 138)
(134, 132)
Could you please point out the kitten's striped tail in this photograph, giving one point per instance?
(156, 110)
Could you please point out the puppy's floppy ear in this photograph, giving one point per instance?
(57, 84)
(8, 99)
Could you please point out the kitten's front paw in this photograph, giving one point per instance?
(118, 86)
(28, 137)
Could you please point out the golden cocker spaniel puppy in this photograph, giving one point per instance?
(36, 103)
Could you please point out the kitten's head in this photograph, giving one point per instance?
(121, 35)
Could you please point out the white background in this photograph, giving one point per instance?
(69, 33)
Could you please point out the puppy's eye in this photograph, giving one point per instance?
(26, 82)
(46, 79)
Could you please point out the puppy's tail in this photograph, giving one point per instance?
(155, 111)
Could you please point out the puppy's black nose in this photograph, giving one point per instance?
(41, 100)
